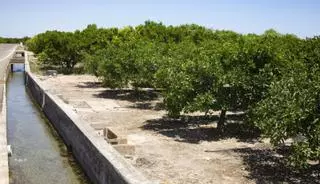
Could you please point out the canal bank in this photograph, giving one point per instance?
(99, 160)
(39, 156)
(6, 52)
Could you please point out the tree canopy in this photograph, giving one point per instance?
(272, 77)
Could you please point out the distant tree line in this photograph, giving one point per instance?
(274, 78)
(13, 40)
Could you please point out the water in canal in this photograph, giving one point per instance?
(39, 156)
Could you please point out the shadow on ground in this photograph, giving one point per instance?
(144, 99)
(129, 95)
(193, 129)
(76, 70)
(90, 85)
(266, 166)
(157, 106)
(123, 94)
(263, 164)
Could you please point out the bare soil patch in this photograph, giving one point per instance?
(184, 151)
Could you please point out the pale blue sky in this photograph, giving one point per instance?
(29, 17)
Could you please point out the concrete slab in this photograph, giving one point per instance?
(79, 104)
(125, 149)
(98, 126)
(100, 106)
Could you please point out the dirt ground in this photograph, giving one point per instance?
(186, 151)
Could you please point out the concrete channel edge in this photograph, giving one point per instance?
(99, 160)
(4, 160)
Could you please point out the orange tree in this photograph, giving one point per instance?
(291, 106)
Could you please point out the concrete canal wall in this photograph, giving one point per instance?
(4, 165)
(99, 160)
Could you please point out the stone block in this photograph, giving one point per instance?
(109, 134)
(117, 141)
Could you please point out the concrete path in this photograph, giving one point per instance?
(6, 52)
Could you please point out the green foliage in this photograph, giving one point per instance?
(57, 49)
(272, 77)
(13, 40)
(291, 110)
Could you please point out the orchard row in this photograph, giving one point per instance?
(274, 78)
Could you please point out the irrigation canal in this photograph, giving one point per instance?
(39, 155)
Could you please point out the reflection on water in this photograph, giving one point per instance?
(18, 67)
(39, 156)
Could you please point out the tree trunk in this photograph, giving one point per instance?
(221, 121)
(206, 113)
